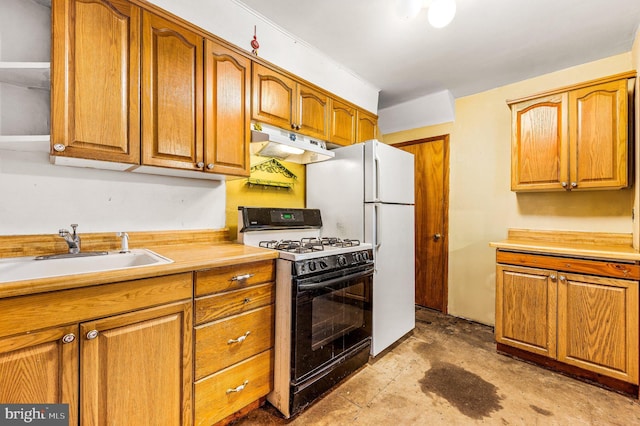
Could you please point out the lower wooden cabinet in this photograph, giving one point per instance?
(132, 364)
(526, 309)
(139, 359)
(234, 338)
(598, 325)
(580, 320)
(41, 367)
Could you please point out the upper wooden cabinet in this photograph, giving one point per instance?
(367, 126)
(344, 123)
(573, 138)
(283, 102)
(227, 110)
(95, 100)
(172, 89)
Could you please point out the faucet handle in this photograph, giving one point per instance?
(74, 226)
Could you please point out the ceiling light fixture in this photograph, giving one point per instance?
(440, 13)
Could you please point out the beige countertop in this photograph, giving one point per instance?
(571, 243)
(186, 258)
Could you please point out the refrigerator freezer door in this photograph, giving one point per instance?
(336, 188)
(388, 174)
(390, 228)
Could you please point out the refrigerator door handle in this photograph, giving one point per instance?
(376, 231)
(377, 177)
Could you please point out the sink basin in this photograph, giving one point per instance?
(28, 268)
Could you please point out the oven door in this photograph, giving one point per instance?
(332, 314)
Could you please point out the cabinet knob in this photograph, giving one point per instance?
(246, 300)
(68, 338)
(436, 237)
(92, 334)
(59, 147)
(293, 126)
(553, 277)
(574, 184)
(563, 278)
(210, 166)
(564, 184)
(200, 165)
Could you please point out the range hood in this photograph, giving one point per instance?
(269, 141)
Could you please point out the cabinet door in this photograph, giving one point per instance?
(137, 360)
(273, 97)
(342, 123)
(171, 95)
(598, 325)
(312, 112)
(367, 126)
(598, 135)
(526, 309)
(40, 368)
(227, 100)
(95, 80)
(539, 144)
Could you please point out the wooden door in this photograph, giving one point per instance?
(539, 144)
(227, 103)
(367, 126)
(431, 223)
(342, 123)
(95, 88)
(598, 136)
(598, 325)
(273, 97)
(134, 361)
(171, 95)
(312, 112)
(526, 309)
(41, 368)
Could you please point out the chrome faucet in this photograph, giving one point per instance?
(73, 240)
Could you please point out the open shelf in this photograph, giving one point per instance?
(34, 75)
(31, 143)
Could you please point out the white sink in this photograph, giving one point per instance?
(28, 268)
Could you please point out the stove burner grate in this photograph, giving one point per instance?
(308, 245)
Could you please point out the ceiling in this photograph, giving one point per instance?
(490, 43)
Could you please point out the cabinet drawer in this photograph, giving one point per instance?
(214, 351)
(234, 277)
(217, 306)
(214, 398)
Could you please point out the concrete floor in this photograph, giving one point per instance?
(447, 372)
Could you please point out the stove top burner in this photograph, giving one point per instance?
(308, 245)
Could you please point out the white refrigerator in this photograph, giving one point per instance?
(366, 192)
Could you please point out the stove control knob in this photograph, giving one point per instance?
(365, 255)
(357, 256)
(311, 265)
(342, 261)
(323, 264)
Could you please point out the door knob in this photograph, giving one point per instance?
(436, 237)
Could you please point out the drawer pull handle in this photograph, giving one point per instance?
(239, 388)
(239, 339)
(246, 300)
(241, 277)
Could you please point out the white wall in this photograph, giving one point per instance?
(234, 23)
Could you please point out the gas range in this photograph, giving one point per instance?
(295, 233)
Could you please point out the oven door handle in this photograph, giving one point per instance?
(333, 281)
